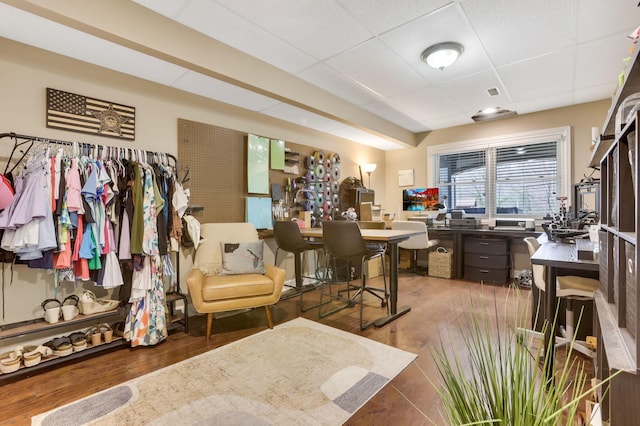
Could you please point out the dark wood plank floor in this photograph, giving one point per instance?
(410, 399)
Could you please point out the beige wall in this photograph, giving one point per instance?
(581, 118)
(26, 72)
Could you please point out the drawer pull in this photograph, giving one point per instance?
(484, 271)
(484, 244)
(483, 257)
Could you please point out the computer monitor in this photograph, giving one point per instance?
(419, 199)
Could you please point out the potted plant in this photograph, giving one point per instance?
(500, 380)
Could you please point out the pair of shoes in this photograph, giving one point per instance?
(78, 341)
(118, 329)
(52, 310)
(61, 346)
(89, 304)
(32, 355)
(107, 332)
(101, 333)
(93, 336)
(69, 307)
(11, 361)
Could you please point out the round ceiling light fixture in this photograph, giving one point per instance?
(442, 55)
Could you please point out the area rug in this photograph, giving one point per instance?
(298, 373)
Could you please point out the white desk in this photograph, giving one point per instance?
(391, 238)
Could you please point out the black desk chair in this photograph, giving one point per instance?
(343, 240)
(289, 238)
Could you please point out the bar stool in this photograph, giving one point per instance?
(570, 288)
(343, 240)
(289, 238)
(416, 242)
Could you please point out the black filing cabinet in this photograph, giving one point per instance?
(486, 259)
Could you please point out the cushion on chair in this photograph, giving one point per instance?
(577, 283)
(209, 255)
(224, 287)
(242, 258)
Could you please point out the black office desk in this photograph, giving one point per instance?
(555, 257)
(459, 234)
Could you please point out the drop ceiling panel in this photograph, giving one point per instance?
(203, 85)
(539, 77)
(470, 93)
(425, 104)
(513, 30)
(447, 24)
(380, 16)
(448, 121)
(594, 93)
(368, 52)
(594, 60)
(334, 82)
(597, 18)
(543, 103)
(226, 26)
(319, 28)
(375, 66)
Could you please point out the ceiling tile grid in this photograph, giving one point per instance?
(539, 54)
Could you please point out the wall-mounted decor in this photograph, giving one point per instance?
(405, 177)
(77, 113)
(257, 165)
(258, 212)
(277, 154)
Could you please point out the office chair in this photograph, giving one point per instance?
(288, 238)
(343, 240)
(570, 288)
(373, 224)
(416, 243)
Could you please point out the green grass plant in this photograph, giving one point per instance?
(499, 379)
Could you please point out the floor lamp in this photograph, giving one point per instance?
(368, 169)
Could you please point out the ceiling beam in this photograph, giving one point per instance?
(133, 26)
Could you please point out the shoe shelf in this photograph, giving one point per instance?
(24, 328)
(176, 319)
(53, 360)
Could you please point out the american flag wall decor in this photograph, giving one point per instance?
(77, 113)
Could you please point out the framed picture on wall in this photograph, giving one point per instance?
(405, 177)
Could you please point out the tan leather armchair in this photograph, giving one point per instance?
(212, 292)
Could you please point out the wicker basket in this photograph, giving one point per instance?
(441, 263)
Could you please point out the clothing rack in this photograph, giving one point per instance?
(86, 148)
(97, 151)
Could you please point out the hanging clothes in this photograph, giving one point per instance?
(83, 217)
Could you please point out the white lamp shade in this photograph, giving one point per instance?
(369, 168)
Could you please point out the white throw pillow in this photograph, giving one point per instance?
(242, 258)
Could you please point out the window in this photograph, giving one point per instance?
(514, 175)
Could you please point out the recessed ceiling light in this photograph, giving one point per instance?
(442, 55)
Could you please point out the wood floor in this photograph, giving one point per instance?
(410, 399)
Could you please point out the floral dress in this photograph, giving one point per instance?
(146, 322)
